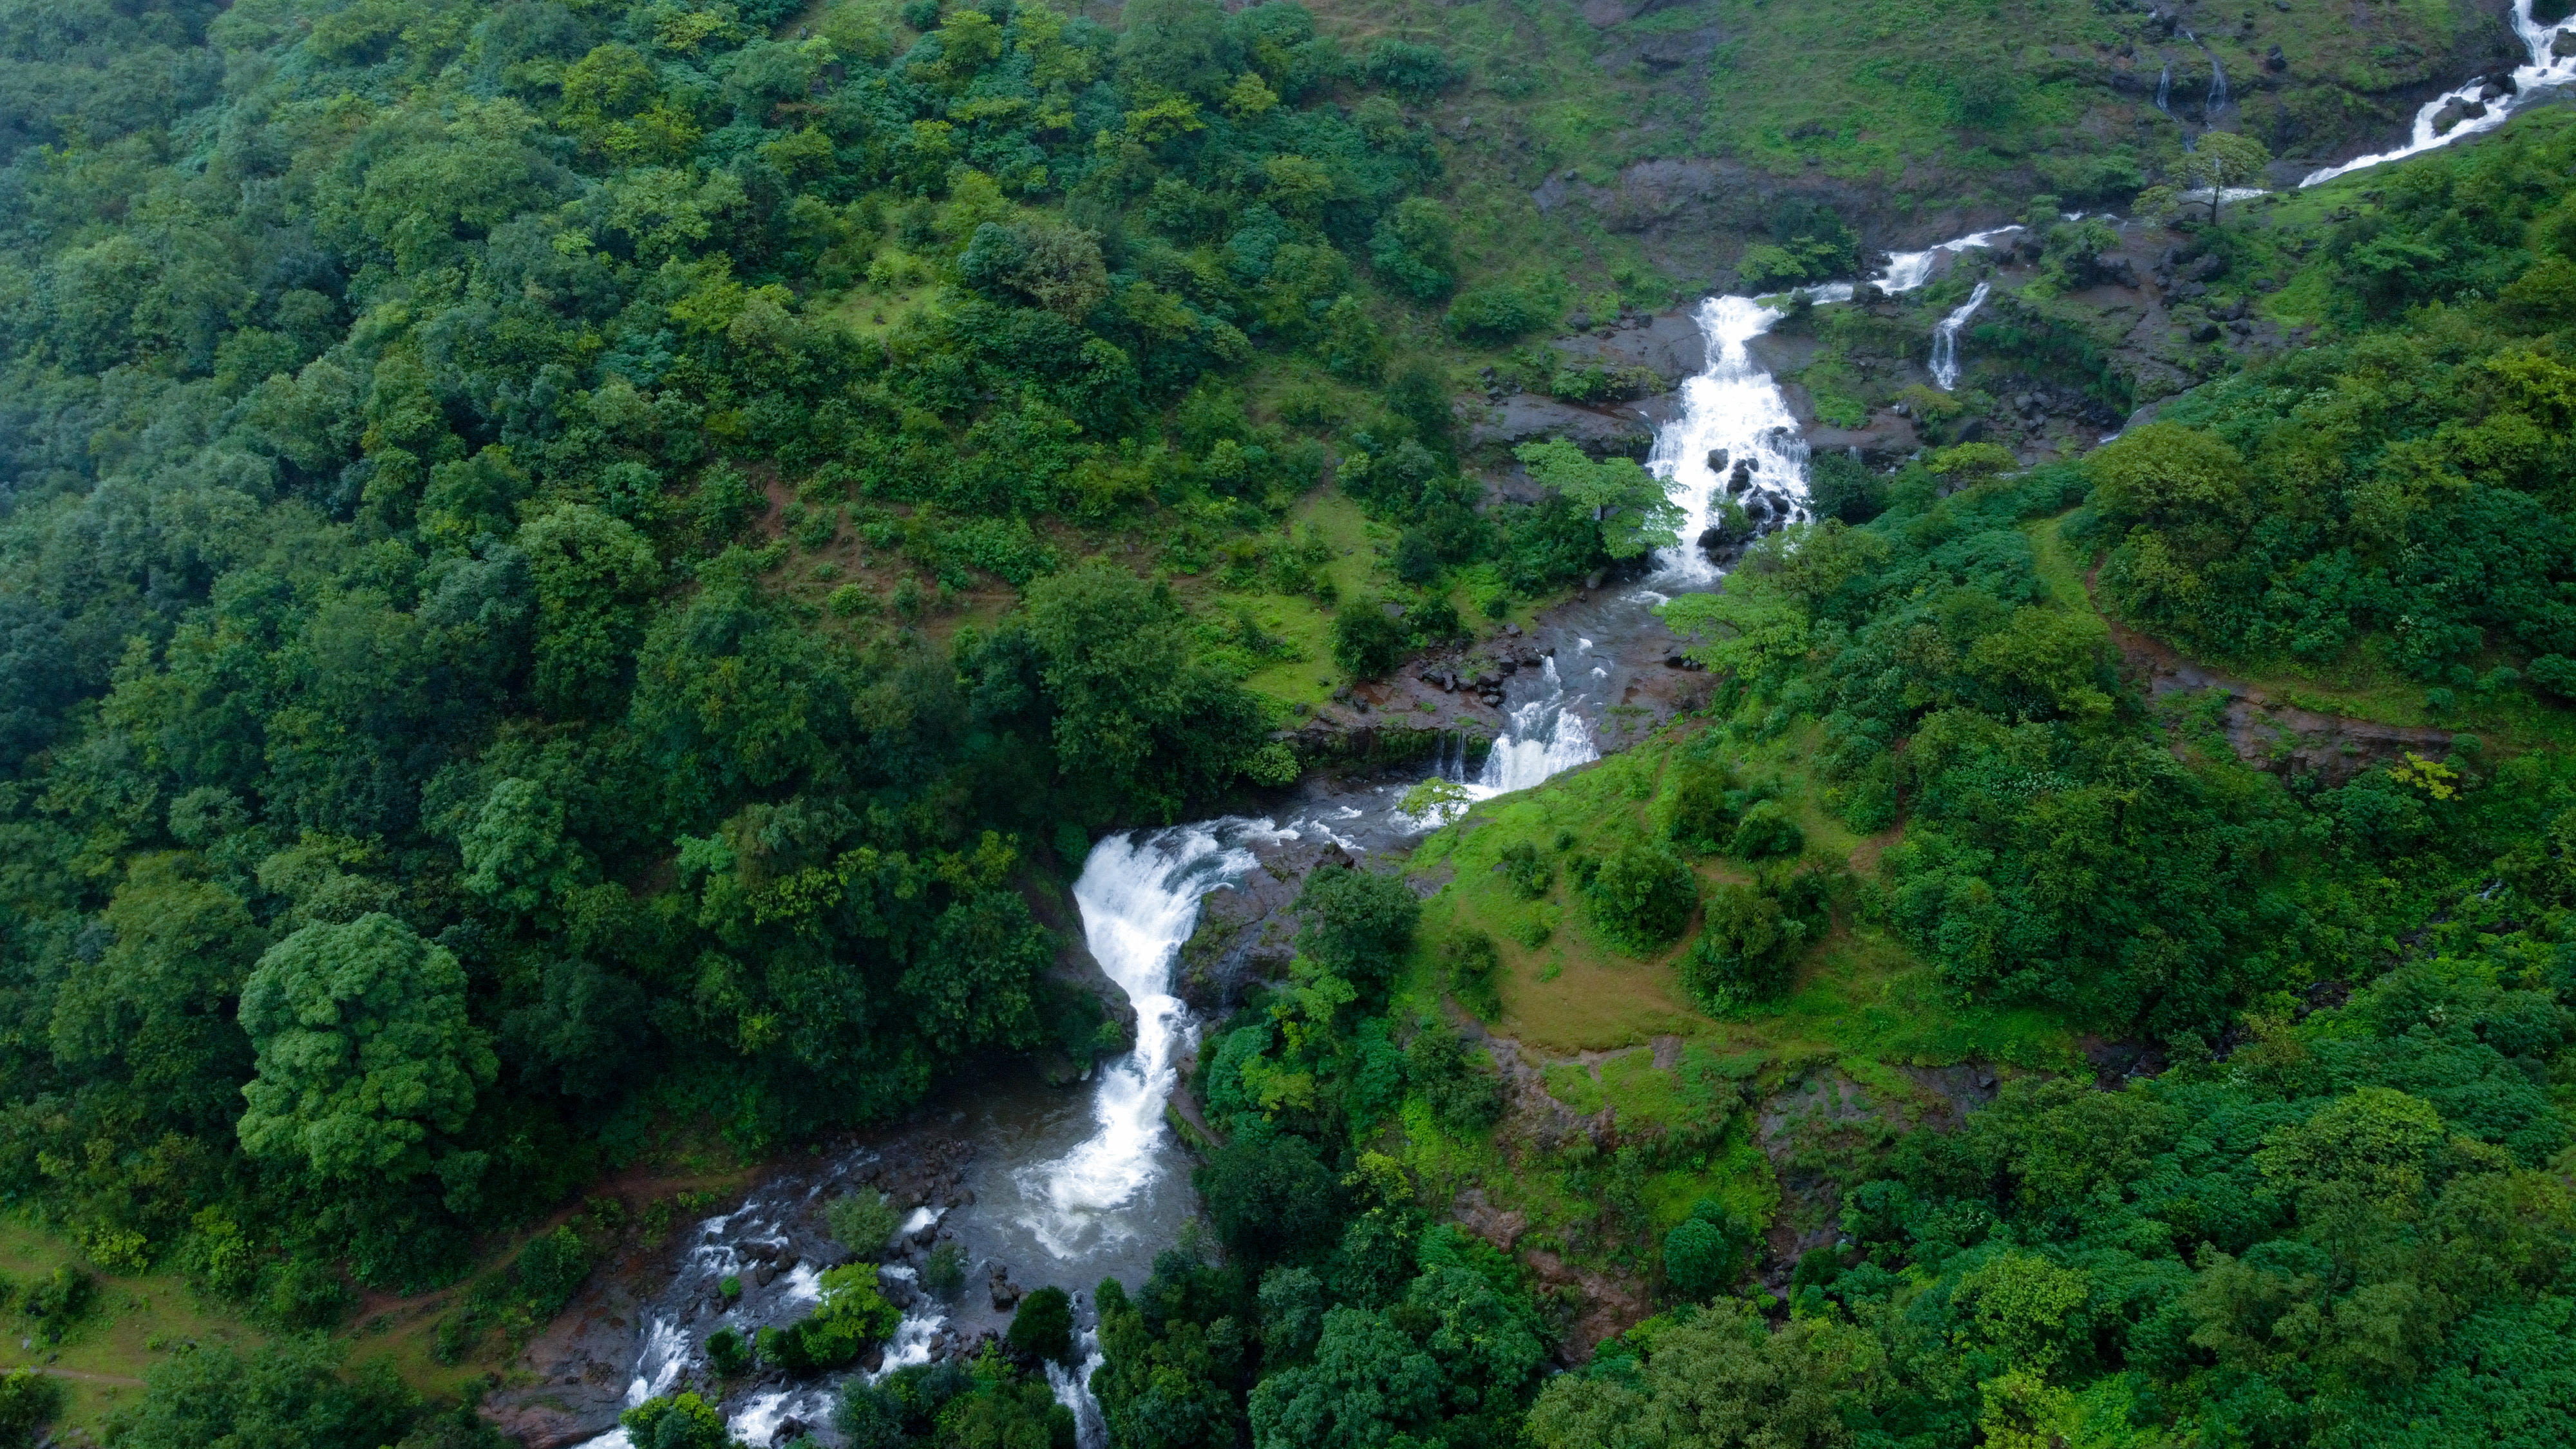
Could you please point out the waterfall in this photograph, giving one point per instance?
(2164, 90)
(1909, 270)
(1543, 738)
(2217, 85)
(1945, 338)
(2545, 70)
(1139, 897)
(1736, 411)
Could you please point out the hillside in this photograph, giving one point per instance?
(601, 604)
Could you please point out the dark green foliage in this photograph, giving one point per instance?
(1177, 1354)
(1703, 800)
(1469, 961)
(864, 1222)
(551, 1270)
(944, 1272)
(1766, 831)
(1042, 1328)
(1268, 1197)
(1366, 641)
(1464, 1092)
(1704, 1253)
(1642, 895)
(288, 1394)
(1498, 313)
(1357, 924)
(1530, 874)
(28, 1401)
(1842, 487)
(1417, 71)
(727, 1354)
(1751, 938)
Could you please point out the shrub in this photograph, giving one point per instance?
(551, 1270)
(1527, 872)
(945, 1271)
(1435, 621)
(1703, 805)
(1366, 642)
(1841, 486)
(1357, 924)
(2555, 673)
(1498, 314)
(1767, 831)
(863, 1222)
(1470, 960)
(681, 1421)
(1043, 1327)
(28, 1400)
(727, 1354)
(1704, 1252)
(1415, 71)
(1642, 896)
(852, 1315)
(1465, 1096)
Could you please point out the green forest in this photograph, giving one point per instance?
(578, 578)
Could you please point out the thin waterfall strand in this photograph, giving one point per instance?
(1945, 338)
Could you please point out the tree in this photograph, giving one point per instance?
(287, 1395)
(1643, 895)
(1705, 1251)
(1366, 641)
(1268, 1196)
(1631, 506)
(1140, 722)
(2223, 160)
(363, 1050)
(1357, 924)
(595, 577)
(1043, 1326)
(677, 1421)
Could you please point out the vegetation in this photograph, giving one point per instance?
(576, 575)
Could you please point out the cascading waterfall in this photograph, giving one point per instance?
(2493, 104)
(1543, 738)
(1945, 337)
(1908, 270)
(2217, 85)
(1139, 897)
(1735, 435)
(2164, 89)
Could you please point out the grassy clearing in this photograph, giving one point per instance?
(134, 1321)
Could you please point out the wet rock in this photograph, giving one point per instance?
(2275, 61)
(1717, 460)
(764, 1273)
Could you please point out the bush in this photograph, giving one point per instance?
(1498, 314)
(852, 1315)
(1435, 621)
(944, 1273)
(1705, 1251)
(1465, 1096)
(863, 1222)
(680, 1421)
(1703, 806)
(1043, 1327)
(1841, 486)
(1642, 896)
(2555, 673)
(1765, 832)
(1366, 642)
(727, 1354)
(28, 1401)
(1269, 1198)
(551, 1270)
(1358, 924)
(1417, 72)
(1470, 960)
(1527, 872)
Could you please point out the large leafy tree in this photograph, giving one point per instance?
(365, 1051)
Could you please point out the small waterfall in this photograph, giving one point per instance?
(1544, 738)
(2494, 104)
(2164, 90)
(2217, 85)
(1945, 338)
(1909, 270)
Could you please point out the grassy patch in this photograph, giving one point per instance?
(133, 1322)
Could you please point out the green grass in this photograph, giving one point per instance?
(134, 1322)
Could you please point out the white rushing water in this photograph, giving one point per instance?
(1945, 338)
(1735, 431)
(2482, 111)
(1908, 270)
(1139, 895)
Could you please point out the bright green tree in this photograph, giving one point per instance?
(364, 1050)
(1631, 506)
